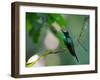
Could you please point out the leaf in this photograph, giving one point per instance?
(28, 25)
(30, 17)
(35, 58)
(33, 26)
(59, 19)
(49, 20)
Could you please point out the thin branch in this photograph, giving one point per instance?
(80, 34)
(44, 55)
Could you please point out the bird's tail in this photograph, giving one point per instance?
(77, 58)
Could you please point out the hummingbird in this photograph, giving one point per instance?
(69, 44)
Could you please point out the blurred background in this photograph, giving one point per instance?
(41, 37)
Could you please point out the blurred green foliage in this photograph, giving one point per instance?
(33, 26)
(38, 23)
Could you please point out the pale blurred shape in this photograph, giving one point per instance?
(40, 62)
(51, 42)
(56, 26)
(33, 58)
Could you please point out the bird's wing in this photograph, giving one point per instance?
(70, 46)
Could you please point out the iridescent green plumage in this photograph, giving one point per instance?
(69, 44)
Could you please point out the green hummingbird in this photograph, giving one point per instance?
(67, 40)
(69, 44)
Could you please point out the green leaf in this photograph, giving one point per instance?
(59, 19)
(28, 25)
(33, 26)
(49, 20)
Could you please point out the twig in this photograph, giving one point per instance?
(44, 55)
(80, 34)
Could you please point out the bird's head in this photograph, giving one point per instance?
(66, 33)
